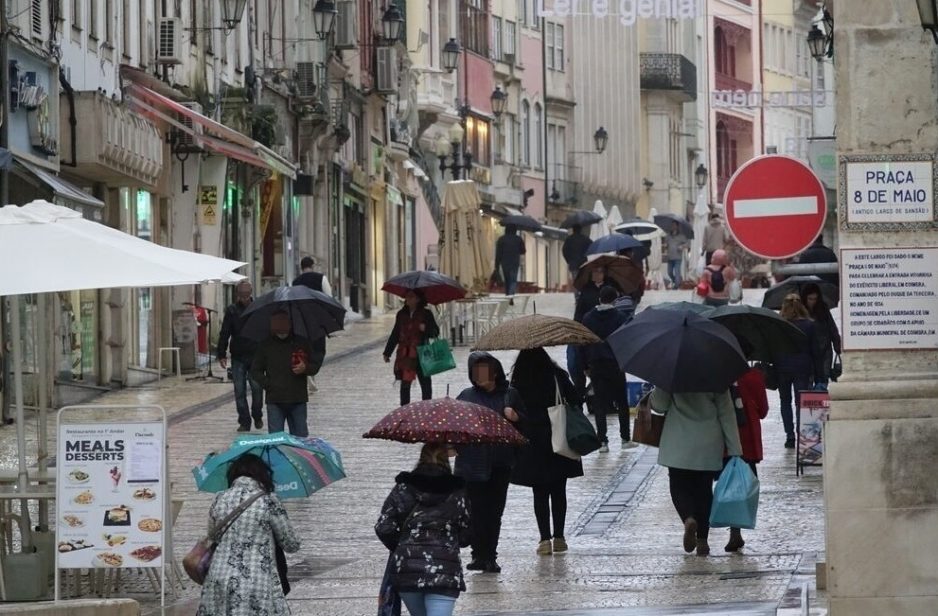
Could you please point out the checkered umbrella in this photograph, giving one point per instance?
(445, 420)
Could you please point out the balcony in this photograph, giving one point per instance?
(670, 72)
(436, 92)
(564, 193)
(729, 82)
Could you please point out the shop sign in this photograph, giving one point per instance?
(270, 196)
(481, 175)
(34, 112)
(208, 204)
(888, 192)
(889, 298)
(822, 156)
(752, 99)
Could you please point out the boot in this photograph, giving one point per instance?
(690, 535)
(703, 548)
(736, 540)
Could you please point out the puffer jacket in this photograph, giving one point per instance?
(424, 522)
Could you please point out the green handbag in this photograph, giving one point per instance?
(435, 357)
(581, 437)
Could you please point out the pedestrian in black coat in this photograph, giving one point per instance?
(424, 522)
(508, 252)
(539, 381)
(574, 249)
(827, 336)
(487, 468)
(819, 253)
(414, 326)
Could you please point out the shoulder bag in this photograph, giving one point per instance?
(558, 427)
(435, 357)
(199, 559)
(648, 424)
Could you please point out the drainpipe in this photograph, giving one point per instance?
(5, 182)
(72, 120)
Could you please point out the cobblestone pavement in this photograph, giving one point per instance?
(625, 538)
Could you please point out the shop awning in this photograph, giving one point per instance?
(212, 135)
(60, 187)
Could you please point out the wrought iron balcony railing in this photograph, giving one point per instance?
(669, 71)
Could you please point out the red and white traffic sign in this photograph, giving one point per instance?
(775, 206)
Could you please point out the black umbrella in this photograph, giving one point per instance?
(773, 297)
(435, 287)
(666, 220)
(581, 218)
(614, 243)
(680, 352)
(313, 314)
(701, 309)
(525, 223)
(768, 334)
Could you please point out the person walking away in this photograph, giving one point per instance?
(675, 243)
(281, 365)
(796, 371)
(424, 522)
(508, 251)
(487, 468)
(242, 354)
(414, 326)
(825, 329)
(819, 253)
(607, 378)
(574, 249)
(698, 428)
(714, 238)
(538, 380)
(750, 391)
(317, 281)
(718, 277)
(242, 579)
(586, 301)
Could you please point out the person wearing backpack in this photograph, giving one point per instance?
(717, 279)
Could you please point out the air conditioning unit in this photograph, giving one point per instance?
(186, 140)
(346, 26)
(169, 45)
(306, 80)
(508, 58)
(386, 69)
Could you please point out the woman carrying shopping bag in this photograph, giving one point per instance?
(539, 381)
(413, 327)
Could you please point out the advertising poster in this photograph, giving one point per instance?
(813, 410)
(111, 495)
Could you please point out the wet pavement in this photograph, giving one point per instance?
(625, 553)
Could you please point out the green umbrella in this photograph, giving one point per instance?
(767, 333)
(700, 309)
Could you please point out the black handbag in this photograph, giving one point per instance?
(837, 368)
(770, 373)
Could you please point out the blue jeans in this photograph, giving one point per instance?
(293, 414)
(239, 375)
(510, 274)
(821, 384)
(428, 604)
(674, 271)
(788, 387)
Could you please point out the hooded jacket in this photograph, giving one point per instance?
(508, 251)
(602, 321)
(424, 522)
(475, 462)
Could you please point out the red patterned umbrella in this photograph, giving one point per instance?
(445, 420)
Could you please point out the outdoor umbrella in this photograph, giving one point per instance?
(665, 221)
(523, 222)
(774, 296)
(581, 218)
(614, 243)
(436, 288)
(600, 229)
(622, 270)
(533, 331)
(445, 420)
(640, 229)
(701, 221)
(467, 241)
(679, 352)
(613, 218)
(301, 465)
(655, 257)
(700, 309)
(313, 314)
(769, 334)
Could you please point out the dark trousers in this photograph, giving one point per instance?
(609, 397)
(486, 506)
(692, 495)
(551, 498)
(575, 369)
(510, 274)
(239, 376)
(788, 387)
(426, 389)
(708, 257)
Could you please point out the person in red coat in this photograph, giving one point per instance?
(751, 396)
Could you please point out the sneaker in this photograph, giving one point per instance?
(492, 567)
(690, 535)
(258, 423)
(790, 442)
(544, 547)
(244, 428)
(560, 544)
(627, 444)
(475, 565)
(604, 448)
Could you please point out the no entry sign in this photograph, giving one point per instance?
(775, 206)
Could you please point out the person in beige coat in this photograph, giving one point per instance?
(698, 428)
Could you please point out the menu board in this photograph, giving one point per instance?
(111, 494)
(889, 298)
(814, 407)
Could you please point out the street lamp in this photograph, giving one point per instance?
(817, 43)
(451, 55)
(928, 14)
(231, 12)
(700, 176)
(392, 22)
(499, 101)
(324, 14)
(601, 138)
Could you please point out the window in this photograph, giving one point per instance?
(554, 39)
(109, 22)
(538, 137)
(473, 26)
(210, 23)
(35, 17)
(93, 18)
(510, 134)
(497, 38)
(721, 52)
(76, 14)
(478, 142)
(126, 30)
(525, 133)
(510, 34)
(561, 151)
(552, 144)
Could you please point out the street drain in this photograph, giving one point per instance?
(311, 567)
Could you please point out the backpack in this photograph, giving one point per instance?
(717, 282)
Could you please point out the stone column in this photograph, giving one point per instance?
(881, 442)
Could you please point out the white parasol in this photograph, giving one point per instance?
(701, 214)
(600, 229)
(654, 258)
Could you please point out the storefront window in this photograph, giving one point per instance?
(141, 221)
(477, 139)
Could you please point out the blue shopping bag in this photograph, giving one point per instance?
(736, 496)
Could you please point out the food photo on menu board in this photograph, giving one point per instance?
(111, 495)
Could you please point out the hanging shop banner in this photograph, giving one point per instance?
(271, 193)
(889, 298)
(814, 407)
(110, 491)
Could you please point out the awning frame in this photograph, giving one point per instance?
(60, 187)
